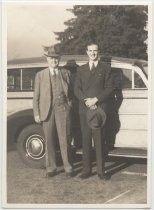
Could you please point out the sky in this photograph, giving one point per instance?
(31, 26)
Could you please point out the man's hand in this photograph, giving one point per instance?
(93, 107)
(37, 119)
(90, 101)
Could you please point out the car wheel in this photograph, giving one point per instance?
(31, 146)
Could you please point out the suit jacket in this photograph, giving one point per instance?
(98, 84)
(42, 100)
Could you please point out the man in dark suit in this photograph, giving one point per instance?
(93, 88)
(52, 105)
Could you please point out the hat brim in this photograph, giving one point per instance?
(91, 113)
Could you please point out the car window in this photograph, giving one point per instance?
(127, 79)
(21, 79)
(138, 82)
(13, 79)
(28, 76)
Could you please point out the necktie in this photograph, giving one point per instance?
(54, 72)
(92, 68)
(54, 75)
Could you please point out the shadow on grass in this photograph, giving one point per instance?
(114, 164)
(120, 163)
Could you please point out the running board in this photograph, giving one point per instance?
(124, 152)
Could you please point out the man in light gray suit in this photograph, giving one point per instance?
(52, 106)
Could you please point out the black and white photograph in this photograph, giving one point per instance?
(77, 98)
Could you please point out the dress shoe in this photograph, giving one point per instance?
(85, 175)
(104, 177)
(51, 174)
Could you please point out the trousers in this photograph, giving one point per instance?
(57, 121)
(99, 143)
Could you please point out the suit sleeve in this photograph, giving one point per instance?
(78, 87)
(108, 91)
(36, 97)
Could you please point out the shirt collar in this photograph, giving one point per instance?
(53, 71)
(91, 63)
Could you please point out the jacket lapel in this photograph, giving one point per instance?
(47, 80)
(87, 73)
(64, 81)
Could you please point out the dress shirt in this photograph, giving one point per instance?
(53, 71)
(93, 62)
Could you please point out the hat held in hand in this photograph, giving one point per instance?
(96, 118)
(50, 51)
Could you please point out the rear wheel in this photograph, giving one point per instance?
(31, 146)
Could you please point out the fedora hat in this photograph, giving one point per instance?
(96, 118)
(50, 51)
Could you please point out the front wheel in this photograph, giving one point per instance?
(31, 146)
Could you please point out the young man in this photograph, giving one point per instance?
(93, 88)
(52, 105)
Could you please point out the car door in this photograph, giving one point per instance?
(133, 110)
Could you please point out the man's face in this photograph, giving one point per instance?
(53, 61)
(92, 52)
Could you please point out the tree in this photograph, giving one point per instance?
(119, 30)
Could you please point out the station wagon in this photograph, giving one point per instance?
(127, 130)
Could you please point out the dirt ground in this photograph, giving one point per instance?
(128, 184)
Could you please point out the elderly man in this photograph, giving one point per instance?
(93, 88)
(52, 105)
